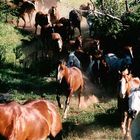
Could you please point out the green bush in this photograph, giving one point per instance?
(104, 25)
(10, 38)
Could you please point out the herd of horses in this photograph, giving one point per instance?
(103, 68)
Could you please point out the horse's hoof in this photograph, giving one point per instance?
(127, 134)
(64, 117)
(61, 106)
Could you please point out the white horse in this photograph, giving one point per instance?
(129, 90)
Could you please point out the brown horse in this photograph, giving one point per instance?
(54, 15)
(27, 7)
(18, 121)
(129, 92)
(49, 111)
(73, 79)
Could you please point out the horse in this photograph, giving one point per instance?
(50, 112)
(27, 7)
(73, 80)
(73, 61)
(16, 116)
(78, 58)
(54, 15)
(52, 40)
(57, 43)
(97, 68)
(76, 44)
(68, 31)
(113, 65)
(75, 17)
(41, 19)
(129, 95)
(17, 120)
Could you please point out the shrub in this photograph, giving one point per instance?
(9, 40)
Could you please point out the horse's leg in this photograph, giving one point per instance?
(123, 123)
(80, 30)
(79, 95)
(30, 18)
(79, 99)
(17, 21)
(23, 18)
(67, 102)
(58, 97)
(58, 101)
(36, 28)
(66, 109)
(129, 121)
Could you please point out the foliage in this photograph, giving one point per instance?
(113, 7)
(104, 25)
(131, 20)
(129, 25)
(6, 12)
(9, 39)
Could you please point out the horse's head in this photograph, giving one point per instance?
(134, 97)
(130, 87)
(53, 10)
(123, 83)
(134, 103)
(61, 72)
(73, 60)
(57, 41)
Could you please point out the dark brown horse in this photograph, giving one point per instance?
(18, 121)
(73, 79)
(41, 19)
(75, 17)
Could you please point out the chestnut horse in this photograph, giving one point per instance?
(17, 121)
(129, 91)
(49, 111)
(73, 79)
